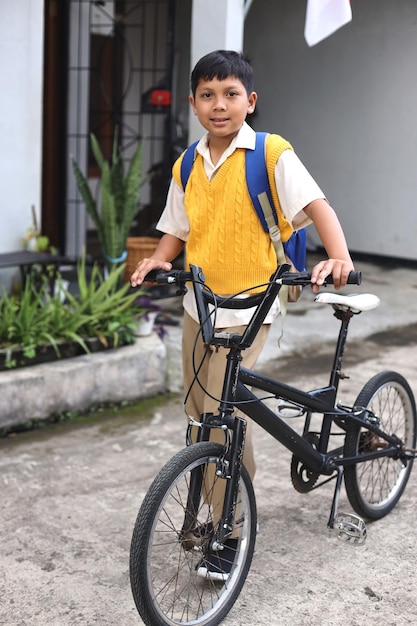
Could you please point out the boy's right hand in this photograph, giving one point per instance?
(144, 267)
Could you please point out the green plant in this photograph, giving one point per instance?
(101, 310)
(34, 240)
(24, 324)
(107, 308)
(119, 194)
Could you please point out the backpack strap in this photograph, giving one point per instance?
(274, 232)
(257, 180)
(260, 193)
(187, 164)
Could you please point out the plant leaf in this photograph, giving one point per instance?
(86, 195)
(95, 147)
(132, 187)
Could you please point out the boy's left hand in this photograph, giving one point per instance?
(339, 269)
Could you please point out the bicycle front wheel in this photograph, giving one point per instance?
(374, 487)
(171, 543)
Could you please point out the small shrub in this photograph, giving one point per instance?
(102, 309)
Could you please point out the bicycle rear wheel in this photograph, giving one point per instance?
(172, 537)
(374, 487)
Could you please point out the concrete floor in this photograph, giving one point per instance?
(71, 492)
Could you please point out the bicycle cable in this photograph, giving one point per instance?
(196, 369)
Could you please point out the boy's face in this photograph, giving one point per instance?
(222, 106)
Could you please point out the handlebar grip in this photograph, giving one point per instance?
(151, 277)
(354, 278)
(173, 277)
(304, 278)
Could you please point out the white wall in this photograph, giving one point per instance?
(348, 105)
(214, 26)
(21, 79)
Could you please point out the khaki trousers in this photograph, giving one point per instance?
(211, 377)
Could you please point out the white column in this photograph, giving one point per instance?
(215, 25)
(21, 76)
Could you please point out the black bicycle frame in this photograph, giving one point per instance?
(238, 379)
(237, 393)
(318, 401)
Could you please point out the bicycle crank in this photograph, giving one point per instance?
(302, 477)
(350, 528)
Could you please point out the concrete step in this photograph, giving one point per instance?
(38, 392)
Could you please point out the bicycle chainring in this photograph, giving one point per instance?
(302, 477)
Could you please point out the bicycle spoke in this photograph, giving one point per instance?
(172, 542)
(375, 486)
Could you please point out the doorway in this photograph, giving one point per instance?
(108, 64)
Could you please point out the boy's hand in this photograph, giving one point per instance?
(144, 267)
(339, 269)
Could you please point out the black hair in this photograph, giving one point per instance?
(221, 64)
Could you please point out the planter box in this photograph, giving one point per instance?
(32, 394)
(47, 354)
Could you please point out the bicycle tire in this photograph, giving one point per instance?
(163, 573)
(374, 487)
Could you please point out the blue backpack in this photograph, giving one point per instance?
(295, 247)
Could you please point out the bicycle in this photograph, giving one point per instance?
(200, 510)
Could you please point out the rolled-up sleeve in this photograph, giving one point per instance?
(174, 220)
(296, 188)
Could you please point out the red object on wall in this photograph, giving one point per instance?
(160, 97)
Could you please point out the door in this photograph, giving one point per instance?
(117, 72)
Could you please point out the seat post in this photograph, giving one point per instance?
(336, 371)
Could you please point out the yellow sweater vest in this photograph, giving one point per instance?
(226, 236)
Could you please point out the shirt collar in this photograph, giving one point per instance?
(245, 138)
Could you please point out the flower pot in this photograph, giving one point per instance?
(138, 248)
(146, 324)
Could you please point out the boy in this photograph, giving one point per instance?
(216, 219)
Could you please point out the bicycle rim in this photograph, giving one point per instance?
(374, 487)
(164, 559)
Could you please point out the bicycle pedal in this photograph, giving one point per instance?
(350, 528)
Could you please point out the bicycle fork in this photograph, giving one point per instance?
(229, 464)
(228, 469)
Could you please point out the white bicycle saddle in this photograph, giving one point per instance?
(356, 302)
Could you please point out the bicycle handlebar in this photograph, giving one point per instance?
(180, 277)
(262, 301)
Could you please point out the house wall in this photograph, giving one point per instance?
(348, 105)
(21, 77)
(220, 28)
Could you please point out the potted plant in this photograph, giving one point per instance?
(37, 326)
(149, 311)
(119, 197)
(34, 240)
